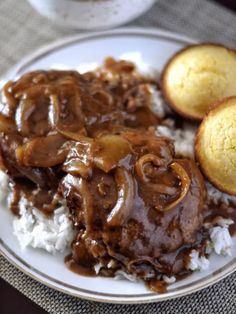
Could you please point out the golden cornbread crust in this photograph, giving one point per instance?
(215, 145)
(207, 78)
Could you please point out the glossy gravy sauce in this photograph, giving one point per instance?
(91, 141)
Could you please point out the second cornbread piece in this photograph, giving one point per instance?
(197, 77)
(216, 145)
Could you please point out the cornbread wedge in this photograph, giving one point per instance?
(197, 77)
(215, 146)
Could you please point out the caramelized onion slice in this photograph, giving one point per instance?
(32, 112)
(43, 151)
(104, 98)
(185, 183)
(79, 158)
(111, 151)
(65, 111)
(77, 167)
(79, 136)
(158, 162)
(76, 191)
(143, 161)
(125, 199)
(8, 102)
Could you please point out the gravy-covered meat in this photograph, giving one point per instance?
(44, 112)
(138, 209)
(87, 142)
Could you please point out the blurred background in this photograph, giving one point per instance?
(23, 28)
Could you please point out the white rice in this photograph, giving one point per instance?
(157, 103)
(34, 229)
(197, 262)
(183, 138)
(97, 268)
(217, 196)
(169, 280)
(220, 242)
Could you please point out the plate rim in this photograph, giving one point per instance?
(68, 40)
(52, 283)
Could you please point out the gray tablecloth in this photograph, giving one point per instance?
(22, 30)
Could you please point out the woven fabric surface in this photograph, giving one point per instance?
(22, 31)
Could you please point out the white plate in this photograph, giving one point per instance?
(147, 47)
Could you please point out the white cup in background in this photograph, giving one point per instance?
(91, 14)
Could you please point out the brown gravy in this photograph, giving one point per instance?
(79, 269)
(90, 140)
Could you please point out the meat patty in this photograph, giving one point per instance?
(142, 213)
(90, 138)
